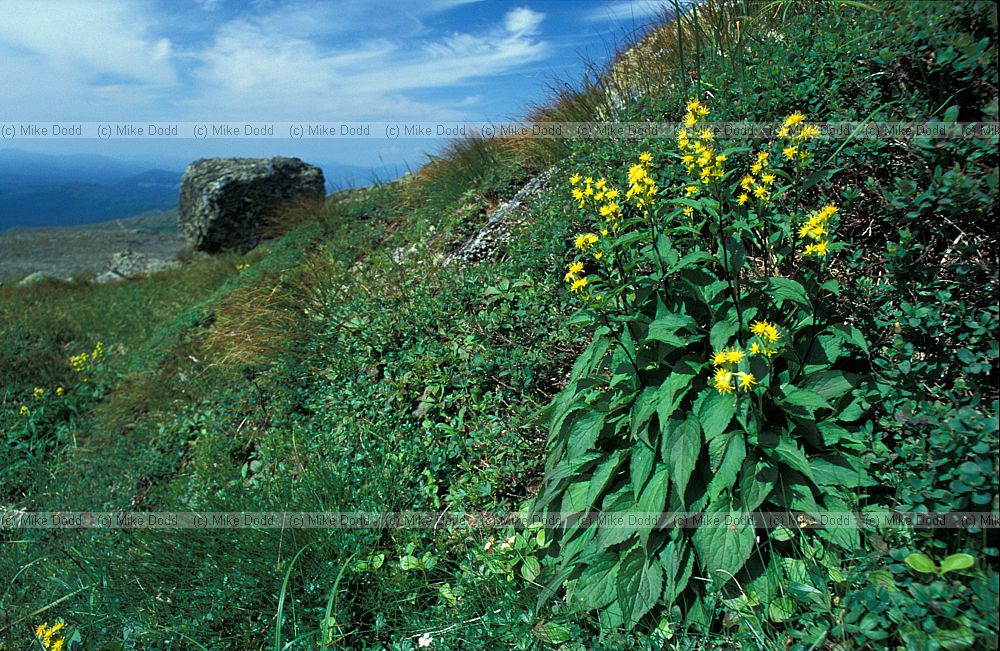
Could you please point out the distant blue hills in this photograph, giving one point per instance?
(71, 190)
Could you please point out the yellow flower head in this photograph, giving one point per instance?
(577, 193)
(771, 333)
(734, 355)
(746, 380)
(645, 157)
(585, 241)
(578, 284)
(706, 135)
(755, 349)
(60, 391)
(768, 179)
(723, 381)
(612, 194)
(789, 151)
(794, 119)
(743, 198)
(759, 327)
(601, 182)
(719, 358)
(38, 393)
(574, 179)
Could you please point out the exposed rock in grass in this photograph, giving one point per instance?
(485, 243)
(225, 203)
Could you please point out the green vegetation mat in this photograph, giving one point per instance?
(790, 324)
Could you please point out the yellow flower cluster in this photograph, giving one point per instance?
(697, 151)
(603, 196)
(48, 636)
(38, 393)
(641, 186)
(727, 377)
(24, 411)
(758, 182)
(817, 229)
(795, 128)
(82, 362)
(578, 281)
(79, 362)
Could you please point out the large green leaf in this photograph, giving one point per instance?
(640, 584)
(715, 411)
(797, 400)
(723, 330)
(723, 550)
(640, 466)
(756, 483)
(653, 497)
(584, 431)
(829, 385)
(596, 587)
(835, 470)
(681, 448)
(678, 564)
(670, 394)
(602, 475)
(782, 289)
(789, 452)
(669, 327)
(724, 476)
(642, 411)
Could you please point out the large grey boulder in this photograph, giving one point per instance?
(226, 202)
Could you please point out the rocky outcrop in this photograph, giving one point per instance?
(485, 243)
(129, 264)
(226, 202)
(39, 277)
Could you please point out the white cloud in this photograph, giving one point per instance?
(630, 11)
(252, 67)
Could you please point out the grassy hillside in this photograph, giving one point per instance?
(680, 351)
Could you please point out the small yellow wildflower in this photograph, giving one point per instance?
(755, 349)
(746, 380)
(577, 194)
(688, 211)
(585, 241)
(60, 391)
(574, 179)
(706, 135)
(645, 157)
(746, 182)
(794, 119)
(734, 355)
(743, 198)
(719, 358)
(23, 411)
(691, 190)
(759, 327)
(613, 193)
(771, 333)
(790, 151)
(760, 191)
(767, 179)
(578, 284)
(38, 393)
(723, 381)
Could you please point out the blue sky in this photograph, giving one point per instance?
(350, 60)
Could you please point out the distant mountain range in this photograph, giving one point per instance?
(43, 190)
(72, 190)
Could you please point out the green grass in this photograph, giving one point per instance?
(348, 368)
